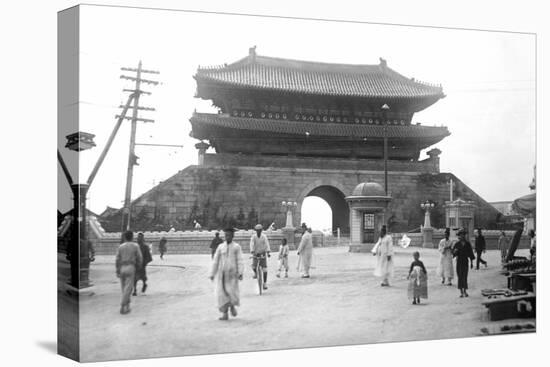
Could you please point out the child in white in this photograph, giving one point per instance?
(283, 258)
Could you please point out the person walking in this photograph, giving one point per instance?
(503, 245)
(384, 257)
(283, 258)
(445, 268)
(128, 259)
(227, 270)
(141, 271)
(216, 241)
(463, 252)
(259, 246)
(480, 248)
(162, 247)
(418, 280)
(305, 251)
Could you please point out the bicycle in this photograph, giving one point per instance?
(259, 271)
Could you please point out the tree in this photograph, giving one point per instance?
(252, 218)
(241, 218)
(193, 214)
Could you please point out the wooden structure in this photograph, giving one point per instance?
(502, 307)
(273, 106)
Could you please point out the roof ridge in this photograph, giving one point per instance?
(321, 63)
(260, 58)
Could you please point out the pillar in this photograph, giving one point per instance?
(427, 236)
(202, 146)
(288, 233)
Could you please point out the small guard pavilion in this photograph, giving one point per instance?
(368, 205)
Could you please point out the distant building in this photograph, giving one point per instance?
(504, 207)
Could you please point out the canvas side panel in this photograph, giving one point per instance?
(67, 170)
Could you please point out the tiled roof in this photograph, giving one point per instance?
(318, 78)
(314, 129)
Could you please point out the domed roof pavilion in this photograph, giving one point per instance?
(368, 203)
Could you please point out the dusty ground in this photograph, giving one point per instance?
(341, 304)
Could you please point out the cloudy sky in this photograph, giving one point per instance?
(488, 77)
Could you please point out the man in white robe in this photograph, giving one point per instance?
(305, 251)
(384, 258)
(445, 267)
(227, 270)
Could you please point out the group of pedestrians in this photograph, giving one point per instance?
(131, 263)
(228, 264)
(460, 249)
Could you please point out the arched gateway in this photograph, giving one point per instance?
(333, 192)
(289, 129)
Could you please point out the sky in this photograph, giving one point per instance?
(488, 79)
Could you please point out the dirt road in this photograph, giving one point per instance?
(342, 304)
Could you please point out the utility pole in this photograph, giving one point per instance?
(132, 158)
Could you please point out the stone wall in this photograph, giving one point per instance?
(243, 196)
(198, 242)
(429, 165)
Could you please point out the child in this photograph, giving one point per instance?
(418, 280)
(283, 258)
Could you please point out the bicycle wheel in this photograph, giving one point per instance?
(260, 275)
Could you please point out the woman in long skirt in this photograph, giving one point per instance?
(418, 280)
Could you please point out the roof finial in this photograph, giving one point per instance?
(383, 63)
(252, 54)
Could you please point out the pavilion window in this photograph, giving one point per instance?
(235, 104)
(274, 108)
(309, 109)
(248, 104)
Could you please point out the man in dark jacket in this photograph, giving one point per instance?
(141, 271)
(462, 250)
(215, 243)
(480, 248)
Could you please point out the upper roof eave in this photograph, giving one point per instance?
(319, 129)
(307, 77)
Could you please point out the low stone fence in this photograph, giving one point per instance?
(491, 238)
(198, 242)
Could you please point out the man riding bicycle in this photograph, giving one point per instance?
(259, 248)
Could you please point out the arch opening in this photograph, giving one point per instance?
(331, 209)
